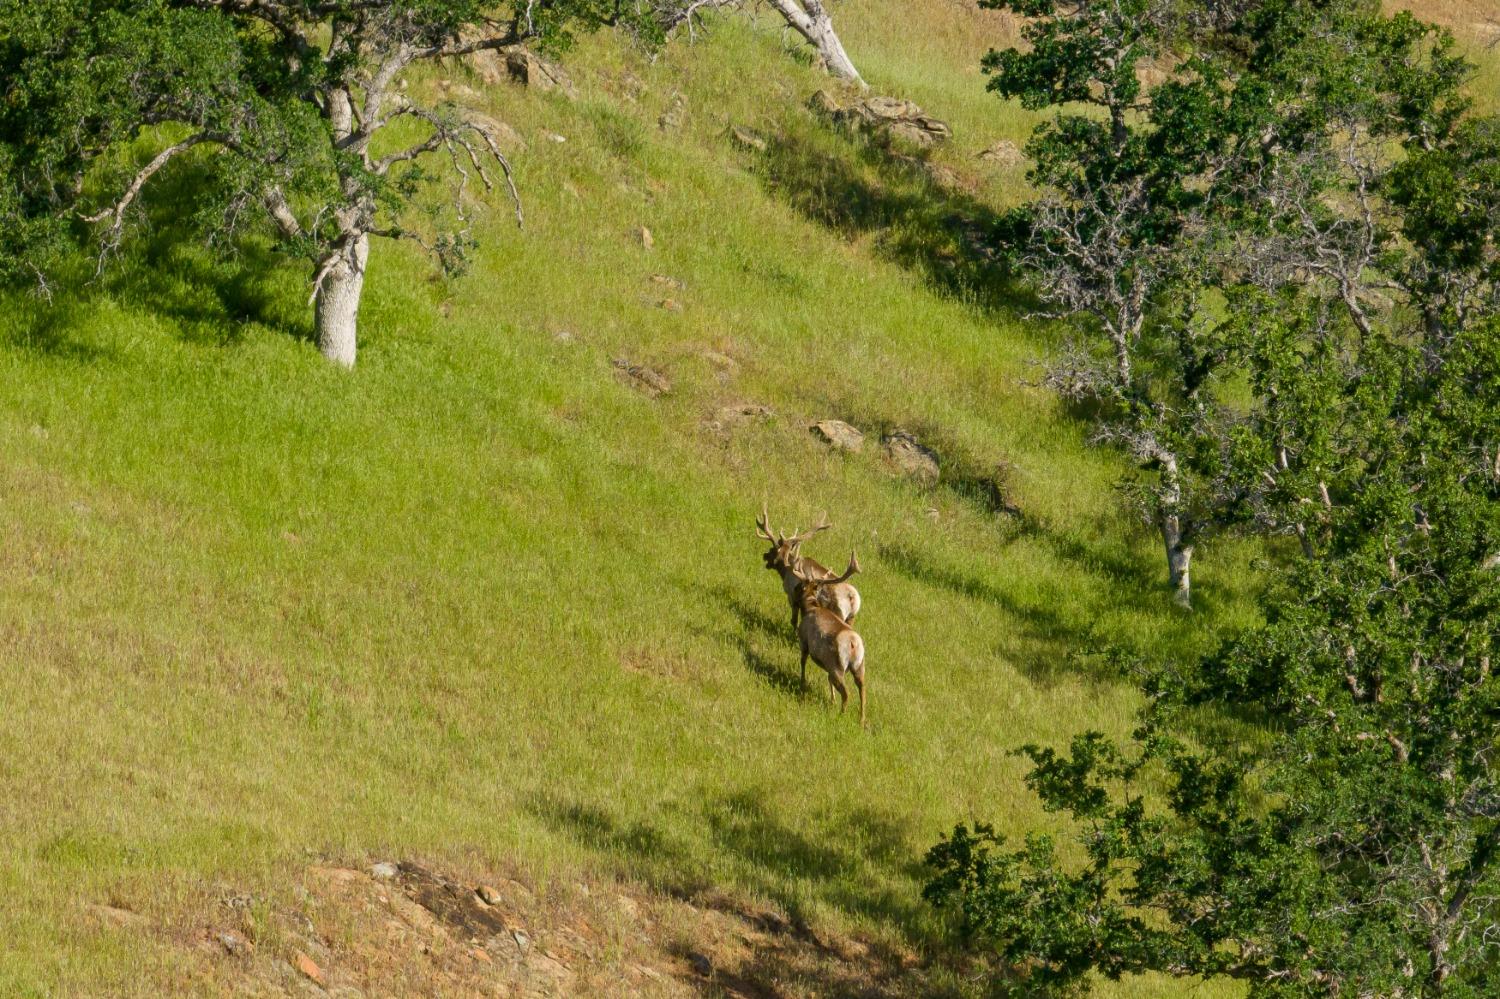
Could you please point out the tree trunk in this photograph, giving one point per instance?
(1169, 518)
(826, 41)
(1119, 134)
(816, 26)
(337, 308)
(1179, 561)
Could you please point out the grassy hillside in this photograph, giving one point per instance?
(484, 602)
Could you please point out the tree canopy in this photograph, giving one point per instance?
(1312, 807)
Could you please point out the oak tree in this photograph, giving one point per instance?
(296, 111)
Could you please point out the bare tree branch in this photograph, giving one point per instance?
(453, 137)
(432, 143)
(281, 213)
(510, 183)
(688, 13)
(118, 209)
(511, 37)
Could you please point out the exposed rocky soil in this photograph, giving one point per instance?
(641, 377)
(407, 929)
(911, 457)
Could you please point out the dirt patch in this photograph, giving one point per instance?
(410, 929)
(459, 907)
(654, 662)
(1474, 18)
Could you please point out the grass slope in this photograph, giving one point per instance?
(481, 599)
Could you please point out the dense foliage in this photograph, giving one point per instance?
(1344, 842)
(1122, 174)
(1349, 848)
(1254, 165)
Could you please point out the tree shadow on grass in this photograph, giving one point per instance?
(1126, 572)
(211, 282)
(51, 328)
(1048, 643)
(948, 236)
(210, 286)
(213, 293)
(857, 861)
(869, 973)
(757, 624)
(649, 853)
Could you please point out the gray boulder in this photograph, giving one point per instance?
(911, 457)
(1004, 153)
(886, 118)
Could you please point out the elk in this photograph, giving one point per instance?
(786, 560)
(830, 642)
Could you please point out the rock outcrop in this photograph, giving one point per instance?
(1004, 153)
(530, 69)
(885, 118)
(747, 138)
(911, 457)
(643, 378)
(838, 435)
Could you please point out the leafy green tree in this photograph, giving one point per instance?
(1111, 243)
(1348, 843)
(1328, 237)
(1261, 162)
(1313, 807)
(295, 110)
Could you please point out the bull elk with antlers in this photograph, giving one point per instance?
(829, 640)
(786, 560)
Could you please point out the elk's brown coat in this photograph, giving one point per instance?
(830, 642)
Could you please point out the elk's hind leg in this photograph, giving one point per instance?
(836, 681)
(859, 681)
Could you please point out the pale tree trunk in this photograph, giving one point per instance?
(1169, 519)
(1179, 561)
(336, 312)
(337, 309)
(811, 21)
(1283, 465)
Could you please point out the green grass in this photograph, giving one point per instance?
(480, 599)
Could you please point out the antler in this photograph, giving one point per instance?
(763, 524)
(853, 568)
(823, 525)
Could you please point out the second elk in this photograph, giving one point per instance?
(829, 640)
